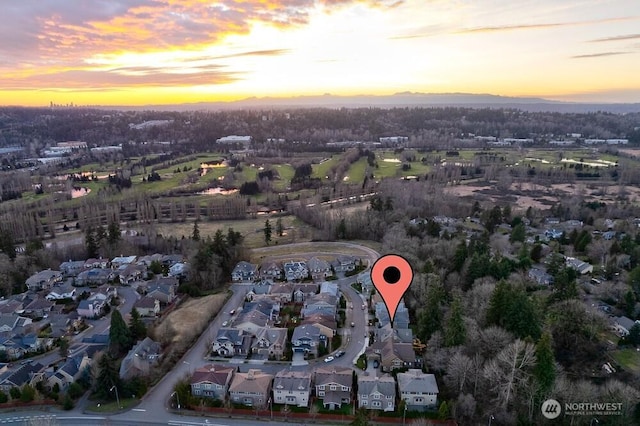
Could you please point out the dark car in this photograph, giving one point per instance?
(339, 354)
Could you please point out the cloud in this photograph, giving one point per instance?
(598, 55)
(616, 38)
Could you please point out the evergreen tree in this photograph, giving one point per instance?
(564, 285)
(7, 245)
(101, 236)
(63, 347)
(518, 233)
(119, 335)
(137, 329)
(455, 331)
(460, 256)
(279, 227)
(90, 243)
(195, 235)
(113, 233)
(267, 232)
(545, 370)
(498, 303)
(430, 318)
(536, 253)
(108, 376)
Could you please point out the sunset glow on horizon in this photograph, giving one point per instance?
(140, 52)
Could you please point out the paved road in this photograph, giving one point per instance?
(152, 409)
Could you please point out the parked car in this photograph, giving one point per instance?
(329, 359)
(353, 324)
(226, 323)
(231, 312)
(339, 354)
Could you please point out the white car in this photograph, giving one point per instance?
(226, 323)
(329, 359)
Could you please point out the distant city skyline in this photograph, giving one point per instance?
(141, 52)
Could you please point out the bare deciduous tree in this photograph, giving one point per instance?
(508, 371)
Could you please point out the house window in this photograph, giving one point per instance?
(321, 387)
(376, 403)
(344, 388)
(376, 396)
(333, 387)
(365, 402)
(320, 393)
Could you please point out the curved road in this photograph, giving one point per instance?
(152, 409)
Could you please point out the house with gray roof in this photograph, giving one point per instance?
(319, 268)
(72, 268)
(119, 261)
(540, 277)
(20, 376)
(401, 319)
(43, 280)
(320, 304)
(418, 390)
(94, 277)
(307, 339)
(292, 388)
(376, 392)
(62, 292)
(162, 288)
(392, 355)
(212, 381)
(302, 292)
(271, 271)
(623, 325)
(282, 292)
(295, 270)
(231, 342)
(333, 386)
(331, 288)
(69, 372)
(244, 272)
(344, 263)
(140, 359)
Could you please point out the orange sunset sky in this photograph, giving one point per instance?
(133, 52)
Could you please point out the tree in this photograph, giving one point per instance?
(90, 243)
(3, 397)
(113, 233)
(267, 232)
(63, 347)
(564, 285)
(508, 372)
(156, 267)
(28, 393)
(279, 227)
(361, 418)
(67, 403)
(74, 390)
(195, 235)
(455, 331)
(518, 233)
(545, 370)
(107, 377)
(444, 412)
(119, 335)
(634, 335)
(536, 253)
(7, 245)
(137, 328)
(430, 317)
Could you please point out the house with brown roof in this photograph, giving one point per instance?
(333, 386)
(319, 268)
(302, 292)
(283, 293)
(270, 342)
(43, 280)
(325, 323)
(252, 388)
(271, 271)
(392, 355)
(212, 381)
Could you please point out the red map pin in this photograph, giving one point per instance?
(391, 275)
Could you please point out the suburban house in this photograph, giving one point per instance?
(319, 268)
(376, 392)
(94, 306)
(179, 270)
(295, 270)
(38, 308)
(392, 355)
(540, 277)
(307, 339)
(252, 388)
(212, 381)
(171, 259)
(258, 291)
(163, 289)
(94, 276)
(244, 272)
(69, 372)
(579, 265)
(147, 306)
(326, 324)
(119, 261)
(149, 259)
(61, 293)
(231, 342)
(130, 273)
(401, 319)
(364, 279)
(96, 263)
(270, 271)
(333, 386)
(8, 322)
(302, 292)
(60, 325)
(270, 342)
(292, 388)
(344, 264)
(72, 268)
(10, 306)
(331, 288)
(43, 280)
(418, 390)
(623, 325)
(23, 375)
(322, 304)
(283, 293)
(140, 359)
(251, 322)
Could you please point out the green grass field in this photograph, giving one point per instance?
(356, 171)
(629, 359)
(321, 170)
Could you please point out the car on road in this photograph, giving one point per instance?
(363, 306)
(353, 324)
(226, 323)
(329, 359)
(231, 312)
(339, 354)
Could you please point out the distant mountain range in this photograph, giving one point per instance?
(405, 99)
